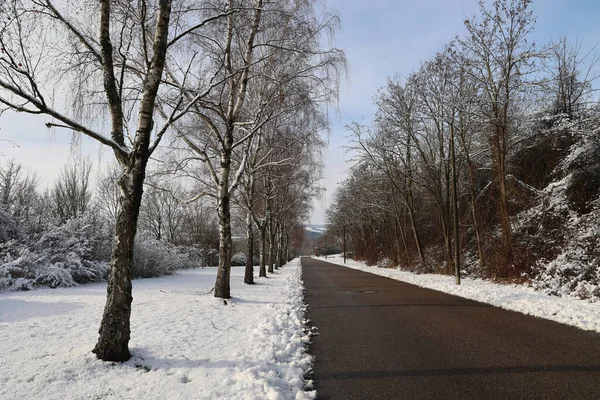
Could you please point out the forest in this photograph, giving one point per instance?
(483, 162)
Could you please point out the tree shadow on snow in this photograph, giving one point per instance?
(143, 359)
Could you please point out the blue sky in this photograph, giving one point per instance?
(380, 38)
(385, 37)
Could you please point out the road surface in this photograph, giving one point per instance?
(384, 339)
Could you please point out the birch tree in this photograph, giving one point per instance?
(106, 58)
(245, 49)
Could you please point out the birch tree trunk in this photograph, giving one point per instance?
(249, 272)
(272, 247)
(115, 330)
(279, 261)
(269, 222)
(262, 273)
(286, 253)
(237, 93)
(222, 284)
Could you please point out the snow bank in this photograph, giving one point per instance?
(185, 343)
(570, 311)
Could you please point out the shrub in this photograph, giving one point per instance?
(63, 256)
(78, 252)
(238, 260)
(8, 226)
(385, 263)
(152, 258)
(572, 273)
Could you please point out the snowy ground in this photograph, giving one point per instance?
(185, 343)
(570, 311)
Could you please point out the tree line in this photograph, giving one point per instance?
(462, 145)
(226, 98)
(68, 227)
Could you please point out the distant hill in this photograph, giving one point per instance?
(314, 231)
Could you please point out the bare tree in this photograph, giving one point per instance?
(71, 194)
(463, 98)
(163, 209)
(568, 87)
(18, 190)
(499, 59)
(107, 193)
(10, 179)
(113, 53)
(285, 149)
(391, 150)
(199, 227)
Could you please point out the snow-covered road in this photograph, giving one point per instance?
(186, 344)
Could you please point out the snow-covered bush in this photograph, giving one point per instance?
(572, 273)
(575, 270)
(153, 258)
(78, 252)
(74, 247)
(65, 255)
(14, 273)
(195, 257)
(238, 259)
(8, 226)
(385, 263)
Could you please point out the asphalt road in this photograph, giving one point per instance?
(384, 339)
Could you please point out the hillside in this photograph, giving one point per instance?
(313, 232)
(559, 227)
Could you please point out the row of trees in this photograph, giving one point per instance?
(434, 174)
(227, 95)
(167, 222)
